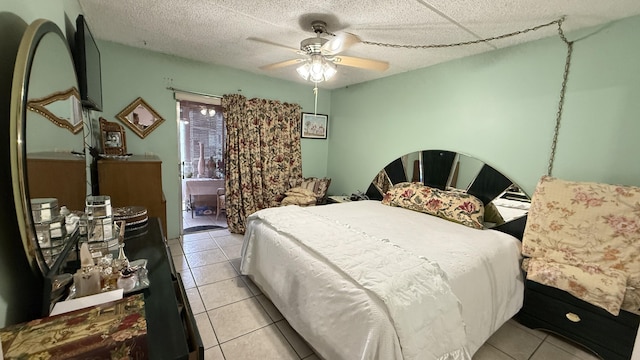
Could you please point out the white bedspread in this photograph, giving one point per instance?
(422, 307)
(343, 319)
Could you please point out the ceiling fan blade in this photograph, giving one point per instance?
(272, 43)
(281, 64)
(361, 63)
(339, 43)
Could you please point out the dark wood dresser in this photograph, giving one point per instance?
(58, 175)
(172, 331)
(134, 181)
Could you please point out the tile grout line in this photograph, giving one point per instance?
(253, 296)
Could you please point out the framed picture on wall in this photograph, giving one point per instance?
(314, 126)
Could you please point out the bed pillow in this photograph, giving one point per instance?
(492, 214)
(299, 191)
(603, 287)
(299, 200)
(455, 206)
(299, 196)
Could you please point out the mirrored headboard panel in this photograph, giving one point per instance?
(447, 170)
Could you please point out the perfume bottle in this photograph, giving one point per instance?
(87, 278)
(121, 262)
(128, 279)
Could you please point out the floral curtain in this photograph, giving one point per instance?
(262, 154)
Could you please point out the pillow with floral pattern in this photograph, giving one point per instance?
(455, 206)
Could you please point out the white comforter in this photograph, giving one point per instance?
(347, 311)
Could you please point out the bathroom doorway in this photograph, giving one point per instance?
(201, 135)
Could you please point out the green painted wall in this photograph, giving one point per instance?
(128, 73)
(500, 107)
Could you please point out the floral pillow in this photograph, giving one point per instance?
(455, 206)
(603, 287)
(592, 226)
(299, 196)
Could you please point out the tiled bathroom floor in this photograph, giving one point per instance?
(237, 322)
(200, 220)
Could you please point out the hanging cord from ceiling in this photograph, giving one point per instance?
(565, 75)
(470, 42)
(315, 104)
(565, 78)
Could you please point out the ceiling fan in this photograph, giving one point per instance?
(321, 55)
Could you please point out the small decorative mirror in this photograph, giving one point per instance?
(140, 117)
(63, 108)
(114, 141)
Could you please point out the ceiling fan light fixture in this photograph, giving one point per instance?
(304, 70)
(329, 70)
(317, 69)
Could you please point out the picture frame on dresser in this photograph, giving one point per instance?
(113, 138)
(314, 126)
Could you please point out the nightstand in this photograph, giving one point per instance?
(337, 199)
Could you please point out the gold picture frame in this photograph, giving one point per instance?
(63, 108)
(114, 141)
(140, 117)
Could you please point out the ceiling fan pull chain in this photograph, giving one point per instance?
(315, 105)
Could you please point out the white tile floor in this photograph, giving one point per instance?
(237, 322)
(188, 221)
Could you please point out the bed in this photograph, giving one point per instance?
(365, 280)
(351, 279)
(342, 318)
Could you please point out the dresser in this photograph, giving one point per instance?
(58, 175)
(172, 333)
(172, 330)
(134, 181)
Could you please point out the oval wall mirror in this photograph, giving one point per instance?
(140, 117)
(44, 107)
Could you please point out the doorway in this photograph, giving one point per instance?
(201, 134)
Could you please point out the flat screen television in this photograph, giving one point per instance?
(87, 59)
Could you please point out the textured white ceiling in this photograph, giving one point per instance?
(219, 31)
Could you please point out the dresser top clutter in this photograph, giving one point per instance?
(166, 329)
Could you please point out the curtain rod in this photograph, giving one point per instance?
(194, 92)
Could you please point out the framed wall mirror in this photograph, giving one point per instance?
(44, 76)
(140, 117)
(47, 164)
(114, 142)
(63, 108)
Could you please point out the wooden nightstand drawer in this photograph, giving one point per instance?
(612, 337)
